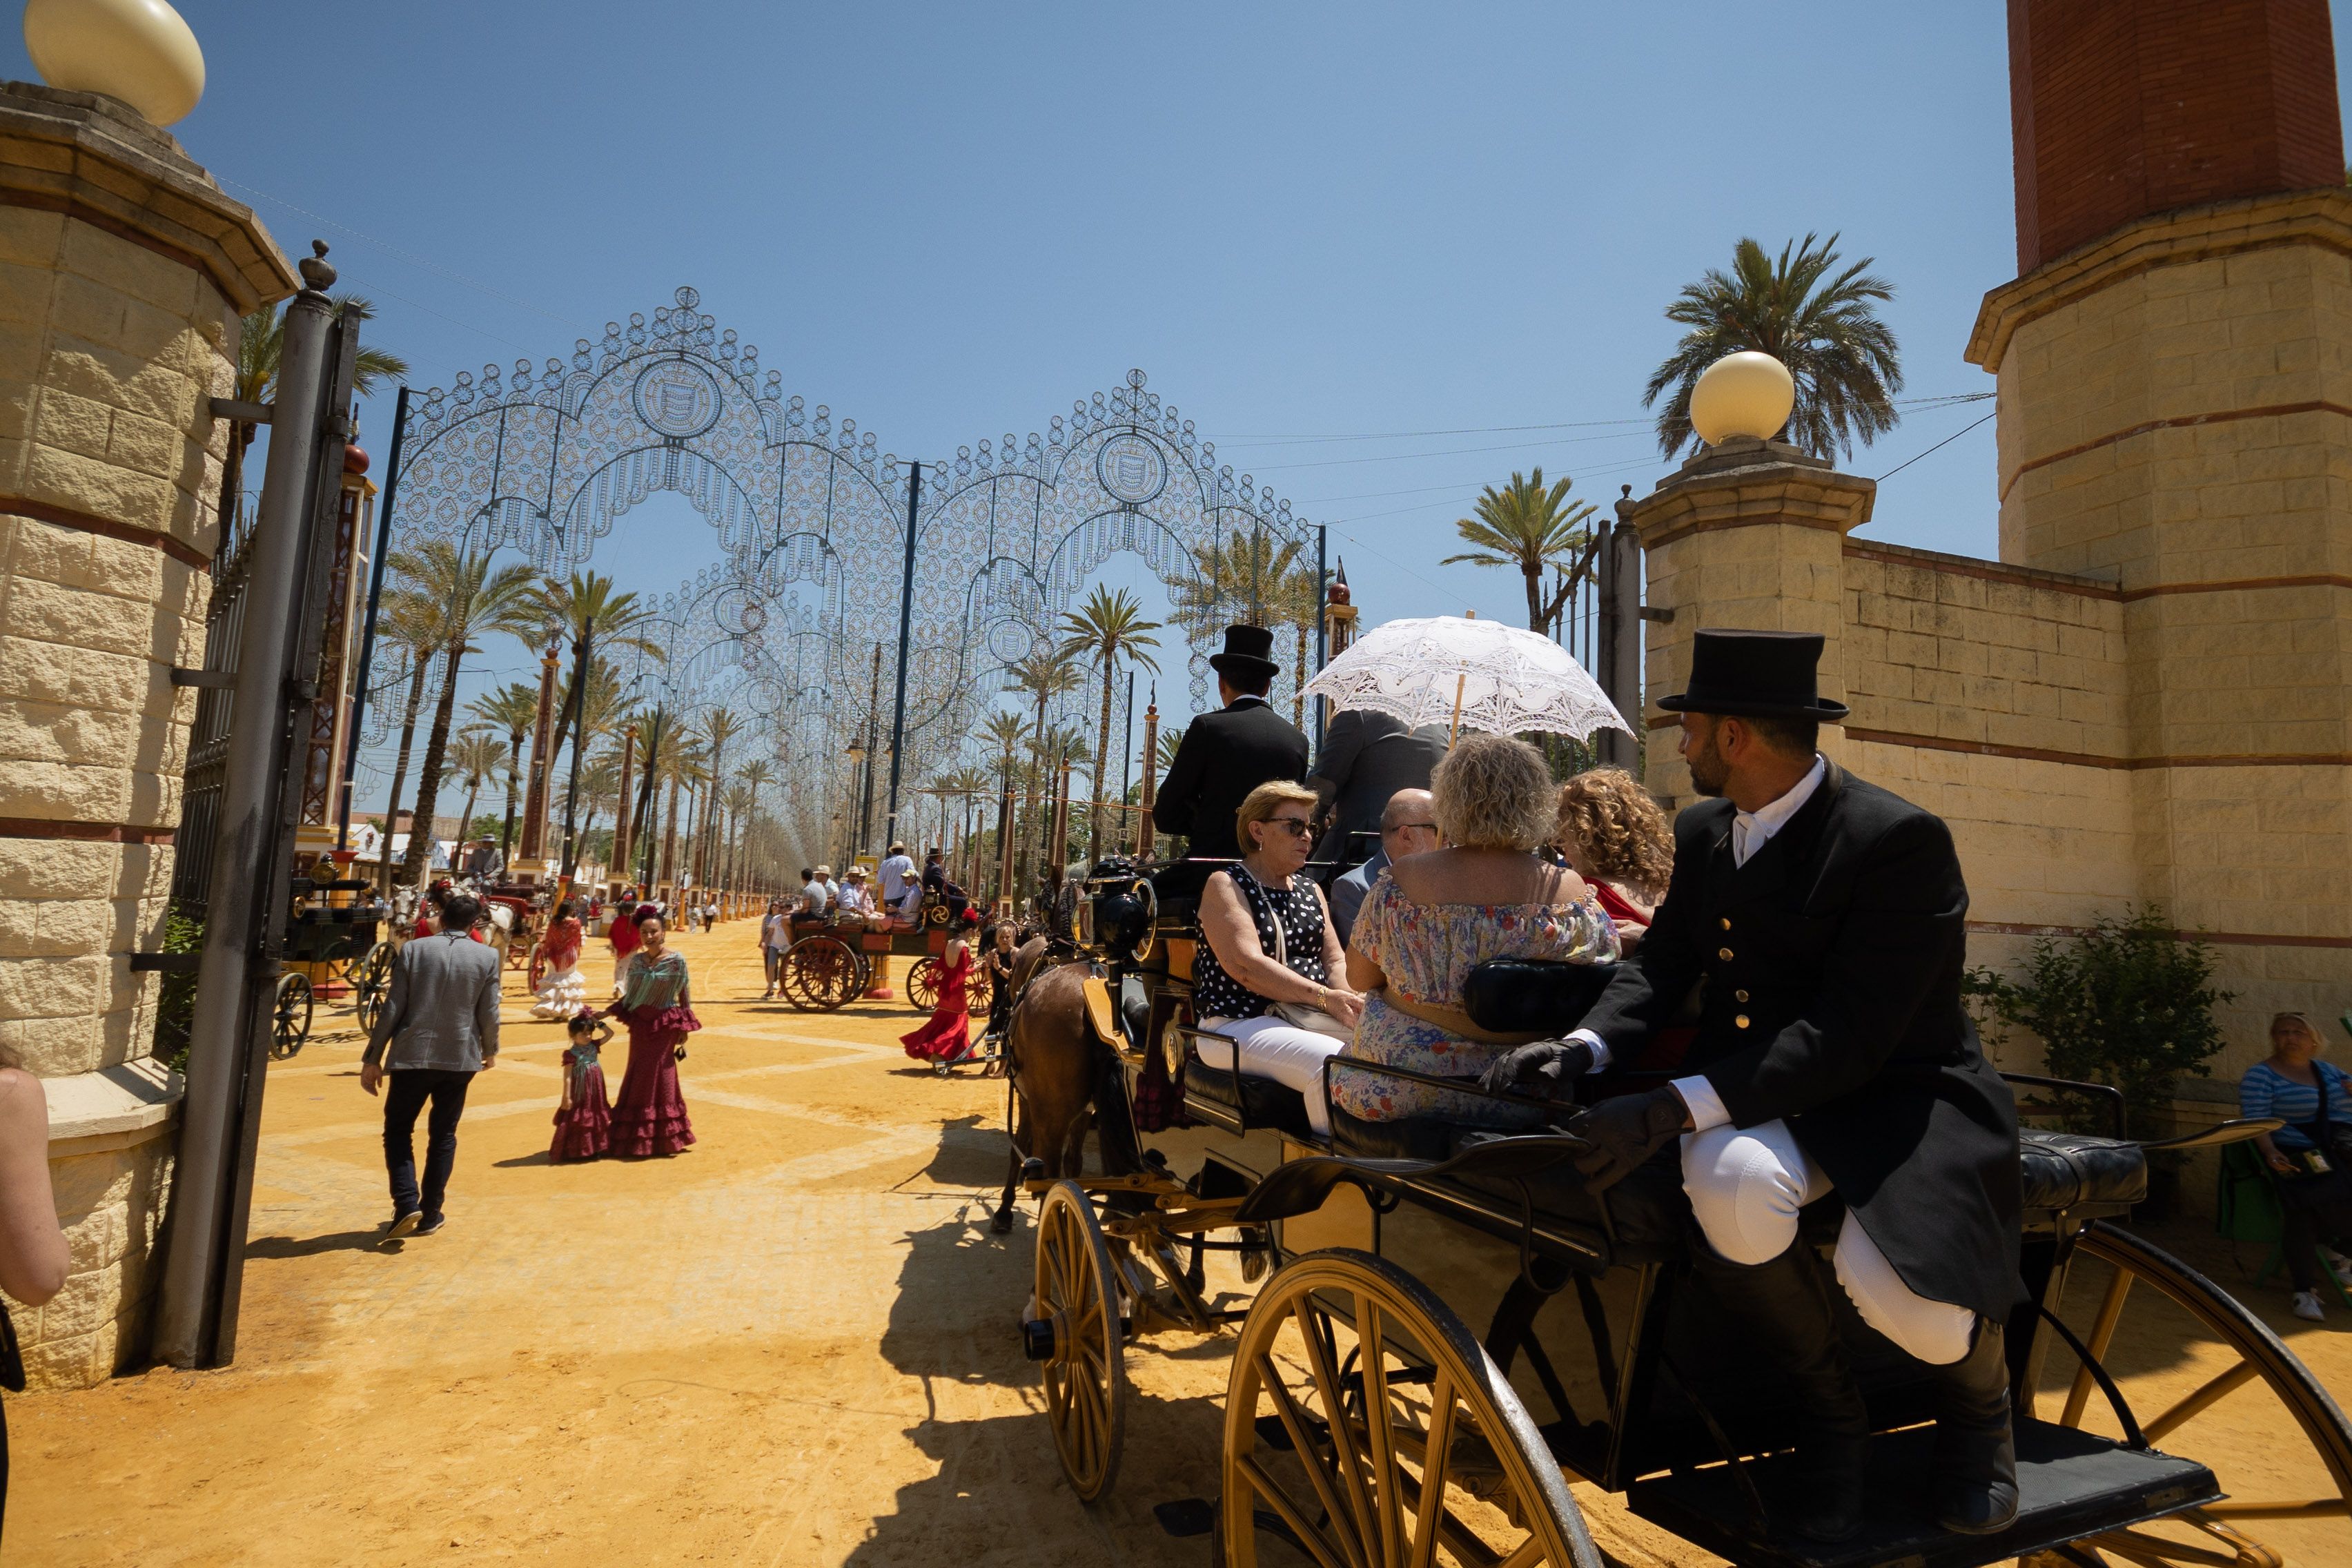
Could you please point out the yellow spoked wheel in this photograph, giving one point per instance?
(1349, 1376)
(1085, 1375)
(2209, 1380)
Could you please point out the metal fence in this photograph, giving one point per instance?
(200, 784)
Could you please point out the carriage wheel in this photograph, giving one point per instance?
(979, 992)
(1366, 1373)
(2147, 1317)
(923, 984)
(290, 1022)
(370, 979)
(1085, 1377)
(821, 973)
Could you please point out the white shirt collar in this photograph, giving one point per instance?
(1751, 830)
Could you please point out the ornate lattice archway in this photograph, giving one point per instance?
(811, 524)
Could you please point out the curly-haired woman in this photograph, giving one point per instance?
(1431, 918)
(1616, 836)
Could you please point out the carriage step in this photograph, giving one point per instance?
(2070, 1484)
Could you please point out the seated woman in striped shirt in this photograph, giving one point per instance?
(2313, 1098)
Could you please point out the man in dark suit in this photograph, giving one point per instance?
(1225, 754)
(1367, 758)
(1820, 921)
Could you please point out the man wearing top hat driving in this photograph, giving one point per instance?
(1225, 754)
(1821, 919)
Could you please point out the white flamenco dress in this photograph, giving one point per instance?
(562, 989)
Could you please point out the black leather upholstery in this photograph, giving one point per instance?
(1533, 995)
(2065, 1170)
(1259, 1101)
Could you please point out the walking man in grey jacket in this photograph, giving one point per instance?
(441, 1026)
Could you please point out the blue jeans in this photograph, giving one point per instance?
(404, 1096)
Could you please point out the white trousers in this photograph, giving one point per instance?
(1746, 1188)
(1268, 1047)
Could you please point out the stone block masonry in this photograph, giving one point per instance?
(123, 275)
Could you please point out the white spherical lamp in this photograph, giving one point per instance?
(140, 51)
(1743, 394)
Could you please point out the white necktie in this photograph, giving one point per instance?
(1740, 826)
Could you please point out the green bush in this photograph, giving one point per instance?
(2126, 1003)
(175, 1001)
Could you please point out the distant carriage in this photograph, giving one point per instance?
(831, 960)
(322, 936)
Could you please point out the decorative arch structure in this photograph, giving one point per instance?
(811, 521)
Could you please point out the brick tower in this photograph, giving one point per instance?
(2175, 370)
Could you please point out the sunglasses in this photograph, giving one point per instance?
(1429, 826)
(1296, 826)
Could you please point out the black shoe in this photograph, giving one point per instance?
(402, 1224)
(431, 1224)
(1784, 1304)
(1976, 1451)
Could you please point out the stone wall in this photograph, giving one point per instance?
(123, 274)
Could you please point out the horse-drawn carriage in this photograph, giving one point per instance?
(1446, 1327)
(322, 934)
(831, 959)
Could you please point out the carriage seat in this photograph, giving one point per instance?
(1254, 1101)
(2070, 1170)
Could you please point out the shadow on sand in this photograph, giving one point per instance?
(999, 1497)
(311, 1246)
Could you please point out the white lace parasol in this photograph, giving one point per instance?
(1468, 675)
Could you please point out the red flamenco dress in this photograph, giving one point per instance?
(946, 1035)
(649, 1116)
(585, 1129)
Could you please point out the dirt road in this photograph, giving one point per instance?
(791, 1345)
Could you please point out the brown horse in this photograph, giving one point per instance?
(1059, 1071)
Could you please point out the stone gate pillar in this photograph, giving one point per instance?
(2175, 374)
(123, 273)
(1749, 534)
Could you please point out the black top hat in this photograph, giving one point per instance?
(1759, 674)
(1248, 651)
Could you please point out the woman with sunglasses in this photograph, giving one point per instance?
(1267, 979)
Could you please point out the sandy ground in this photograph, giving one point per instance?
(791, 1345)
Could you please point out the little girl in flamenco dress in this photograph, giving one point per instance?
(945, 1036)
(562, 989)
(584, 1122)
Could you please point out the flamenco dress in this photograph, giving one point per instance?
(585, 1131)
(562, 989)
(649, 1116)
(947, 1033)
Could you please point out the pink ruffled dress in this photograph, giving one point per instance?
(649, 1116)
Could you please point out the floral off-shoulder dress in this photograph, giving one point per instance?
(1427, 952)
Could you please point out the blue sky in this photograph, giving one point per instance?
(948, 221)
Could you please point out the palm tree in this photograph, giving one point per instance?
(582, 610)
(1110, 627)
(474, 599)
(1524, 525)
(1824, 329)
(475, 754)
(511, 711)
(718, 727)
(413, 623)
(752, 780)
(1238, 578)
(261, 341)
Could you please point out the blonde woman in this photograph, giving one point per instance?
(1431, 918)
(1616, 838)
(1269, 947)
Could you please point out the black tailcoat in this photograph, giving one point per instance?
(1223, 756)
(1830, 974)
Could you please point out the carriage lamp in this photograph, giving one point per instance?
(140, 51)
(1743, 394)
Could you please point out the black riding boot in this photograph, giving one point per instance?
(1785, 1304)
(1975, 1452)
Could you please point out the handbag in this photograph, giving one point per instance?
(1297, 1014)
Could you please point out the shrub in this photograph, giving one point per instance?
(2126, 1003)
(176, 999)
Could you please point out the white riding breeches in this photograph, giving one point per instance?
(1746, 1187)
(1268, 1047)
